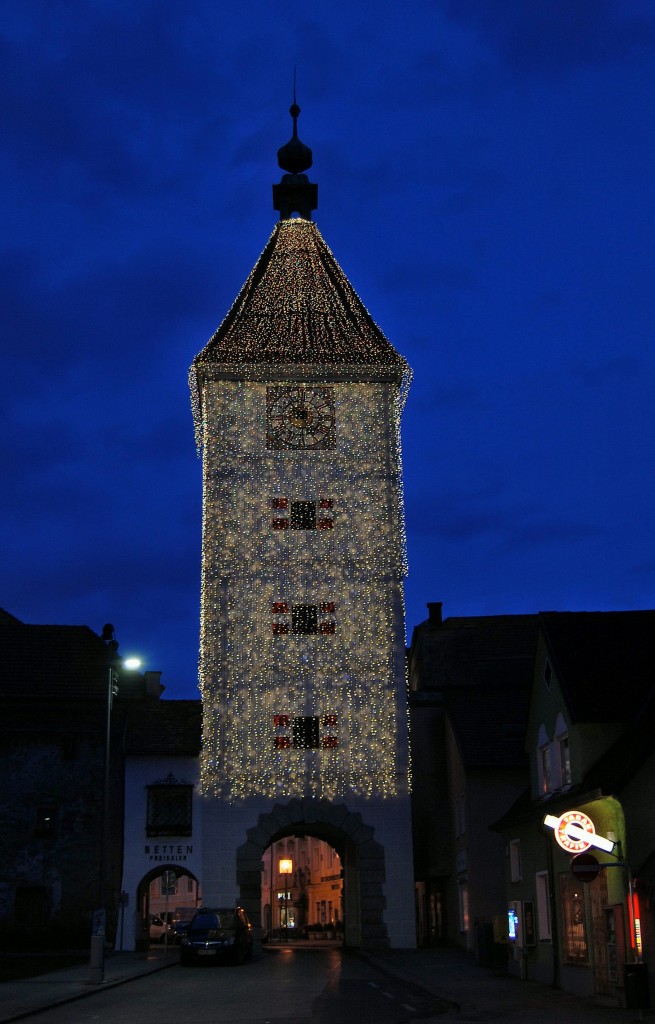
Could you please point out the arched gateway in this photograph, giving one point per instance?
(362, 858)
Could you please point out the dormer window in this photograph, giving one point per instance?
(565, 760)
(545, 773)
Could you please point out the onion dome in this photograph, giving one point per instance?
(295, 194)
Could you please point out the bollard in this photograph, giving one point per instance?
(97, 960)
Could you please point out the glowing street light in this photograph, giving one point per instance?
(286, 868)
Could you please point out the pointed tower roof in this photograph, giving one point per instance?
(297, 316)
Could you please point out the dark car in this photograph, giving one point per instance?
(223, 933)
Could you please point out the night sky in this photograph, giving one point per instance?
(486, 176)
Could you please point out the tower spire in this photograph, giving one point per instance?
(295, 193)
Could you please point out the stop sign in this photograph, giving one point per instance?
(585, 867)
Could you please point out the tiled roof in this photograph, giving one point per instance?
(50, 663)
(465, 651)
(163, 727)
(479, 669)
(604, 661)
(298, 308)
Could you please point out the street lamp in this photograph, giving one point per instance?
(99, 927)
(286, 869)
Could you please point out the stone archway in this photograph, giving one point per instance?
(362, 858)
(142, 906)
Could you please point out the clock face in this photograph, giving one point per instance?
(300, 417)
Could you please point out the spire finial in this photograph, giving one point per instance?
(295, 194)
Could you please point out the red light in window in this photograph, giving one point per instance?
(325, 503)
(280, 608)
(280, 503)
(328, 606)
(280, 627)
(329, 742)
(281, 721)
(327, 627)
(281, 742)
(324, 524)
(329, 720)
(280, 524)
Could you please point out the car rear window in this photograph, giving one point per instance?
(224, 919)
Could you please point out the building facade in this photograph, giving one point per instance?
(470, 680)
(163, 818)
(297, 400)
(586, 927)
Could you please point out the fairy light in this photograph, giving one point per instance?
(298, 323)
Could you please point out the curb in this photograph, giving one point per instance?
(89, 991)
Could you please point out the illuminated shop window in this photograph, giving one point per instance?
(574, 932)
(305, 732)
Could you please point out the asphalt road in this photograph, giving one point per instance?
(288, 986)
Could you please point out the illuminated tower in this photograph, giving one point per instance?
(297, 402)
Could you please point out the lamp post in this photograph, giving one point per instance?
(99, 926)
(286, 869)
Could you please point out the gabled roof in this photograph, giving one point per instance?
(604, 661)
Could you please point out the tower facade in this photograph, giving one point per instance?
(297, 400)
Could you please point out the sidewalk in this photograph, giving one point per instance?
(488, 994)
(19, 999)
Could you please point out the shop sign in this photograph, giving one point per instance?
(575, 832)
(168, 852)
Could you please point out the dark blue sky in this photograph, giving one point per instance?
(485, 172)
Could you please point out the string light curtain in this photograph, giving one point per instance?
(298, 328)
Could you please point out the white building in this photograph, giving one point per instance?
(163, 813)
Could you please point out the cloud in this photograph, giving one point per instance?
(550, 37)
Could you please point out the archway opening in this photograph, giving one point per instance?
(167, 898)
(361, 865)
(302, 891)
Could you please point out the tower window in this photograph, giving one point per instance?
(302, 515)
(305, 732)
(304, 618)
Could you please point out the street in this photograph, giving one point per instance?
(285, 986)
